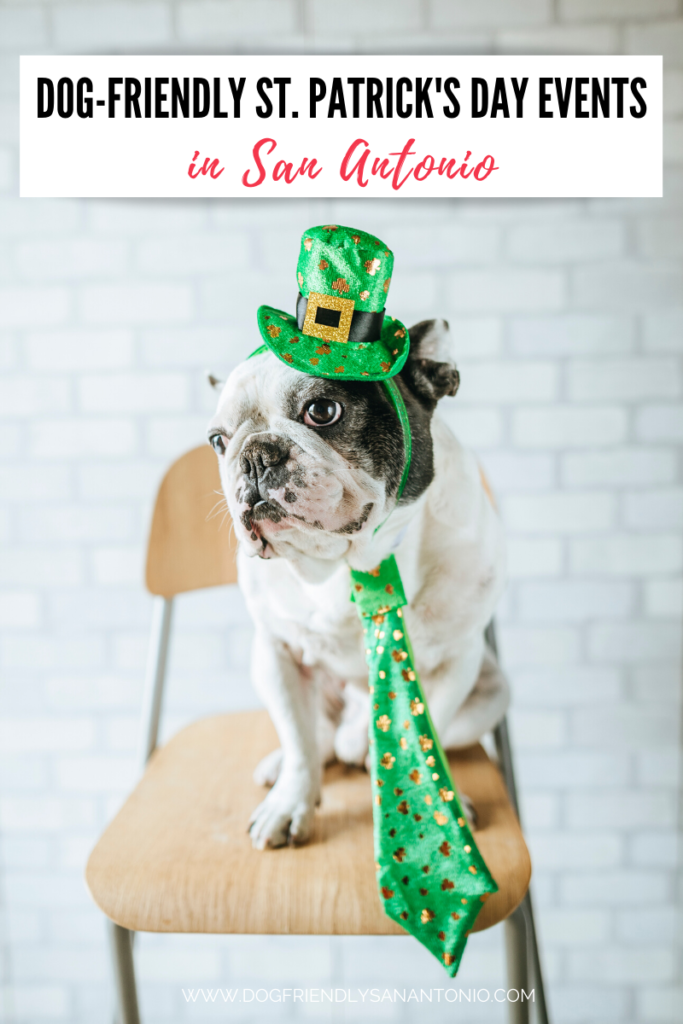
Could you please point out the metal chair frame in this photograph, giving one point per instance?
(521, 946)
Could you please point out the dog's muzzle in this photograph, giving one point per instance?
(263, 463)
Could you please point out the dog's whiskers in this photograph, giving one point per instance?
(219, 507)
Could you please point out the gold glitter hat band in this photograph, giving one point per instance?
(358, 325)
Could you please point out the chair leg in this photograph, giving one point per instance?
(501, 736)
(517, 965)
(121, 941)
(536, 972)
(155, 677)
(504, 750)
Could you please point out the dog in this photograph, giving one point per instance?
(310, 469)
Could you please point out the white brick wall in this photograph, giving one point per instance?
(568, 320)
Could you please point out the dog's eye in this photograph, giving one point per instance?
(217, 443)
(323, 412)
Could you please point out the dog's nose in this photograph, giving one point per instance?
(261, 454)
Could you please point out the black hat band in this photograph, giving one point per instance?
(365, 327)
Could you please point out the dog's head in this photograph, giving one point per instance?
(310, 465)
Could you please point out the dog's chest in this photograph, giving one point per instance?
(336, 646)
(318, 622)
(321, 626)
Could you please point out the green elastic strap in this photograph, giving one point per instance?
(399, 405)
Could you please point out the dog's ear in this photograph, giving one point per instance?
(430, 369)
(215, 382)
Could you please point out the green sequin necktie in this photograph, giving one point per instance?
(432, 878)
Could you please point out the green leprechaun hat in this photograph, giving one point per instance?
(340, 328)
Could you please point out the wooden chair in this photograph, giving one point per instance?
(177, 857)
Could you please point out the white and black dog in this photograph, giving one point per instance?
(310, 468)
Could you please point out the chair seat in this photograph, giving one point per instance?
(177, 857)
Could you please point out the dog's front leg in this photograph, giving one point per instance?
(286, 814)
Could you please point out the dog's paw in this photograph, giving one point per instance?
(286, 814)
(469, 809)
(267, 770)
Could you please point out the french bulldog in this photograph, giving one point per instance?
(310, 470)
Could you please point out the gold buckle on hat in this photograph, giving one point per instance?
(345, 307)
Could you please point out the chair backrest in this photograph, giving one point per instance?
(192, 541)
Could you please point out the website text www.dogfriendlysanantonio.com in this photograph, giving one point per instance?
(361, 996)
